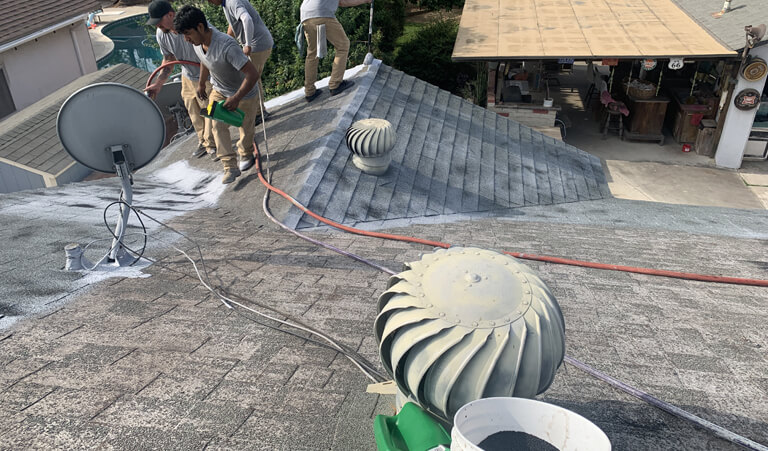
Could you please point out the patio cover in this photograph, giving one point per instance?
(581, 29)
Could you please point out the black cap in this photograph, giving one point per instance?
(157, 10)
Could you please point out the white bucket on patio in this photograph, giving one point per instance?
(563, 429)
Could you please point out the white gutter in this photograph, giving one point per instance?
(42, 32)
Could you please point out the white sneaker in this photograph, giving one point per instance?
(247, 163)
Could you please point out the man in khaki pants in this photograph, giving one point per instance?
(234, 81)
(323, 12)
(174, 47)
(246, 26)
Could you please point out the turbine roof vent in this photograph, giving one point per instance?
(371, 141)
(466, 323)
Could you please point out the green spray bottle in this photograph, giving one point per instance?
(217, 112)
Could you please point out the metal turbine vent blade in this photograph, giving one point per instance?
(465, 323)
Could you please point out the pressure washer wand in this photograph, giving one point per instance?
(369, 56)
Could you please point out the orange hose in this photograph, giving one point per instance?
(162, 66)
(541, 258)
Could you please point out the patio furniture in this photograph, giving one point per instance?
(614, 121)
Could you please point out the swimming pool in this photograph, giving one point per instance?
(134, 44)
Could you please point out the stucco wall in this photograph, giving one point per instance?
(39, 67)
(13, 178)
(738, 123)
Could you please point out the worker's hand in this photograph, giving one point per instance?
(201, 94)
(231, 103)
(247, 50)
(153, 90)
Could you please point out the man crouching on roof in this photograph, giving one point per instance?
(234, 81)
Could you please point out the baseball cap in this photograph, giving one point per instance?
(158, 9)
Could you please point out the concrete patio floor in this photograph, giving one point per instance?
(647, 171)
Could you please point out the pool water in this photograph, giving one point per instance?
(135, 44)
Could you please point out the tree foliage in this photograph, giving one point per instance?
(436, 5)
(427, 55)
(284, 70)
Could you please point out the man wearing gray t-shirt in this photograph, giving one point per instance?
(246, 26)
(234, 82)
(175, 48)
(323, 12)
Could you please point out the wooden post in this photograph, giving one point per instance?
(729, 72)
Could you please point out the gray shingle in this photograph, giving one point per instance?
(439, 187)
(540, 156)
(470, 197)
(729, 29)
(530, 190)
(424, 98)
(501, 155)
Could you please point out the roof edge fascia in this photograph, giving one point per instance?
(43, 32)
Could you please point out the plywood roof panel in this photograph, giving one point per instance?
(594, 29)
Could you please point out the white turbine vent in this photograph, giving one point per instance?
(371, 140)
(465, 323)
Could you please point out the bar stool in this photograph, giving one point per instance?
(614, 120)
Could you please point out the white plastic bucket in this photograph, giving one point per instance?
(549, 102)
(561, 428)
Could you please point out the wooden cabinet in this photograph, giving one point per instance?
(646, 118)
(685, 118)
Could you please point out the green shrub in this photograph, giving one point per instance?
(426, 54)
(284, 70)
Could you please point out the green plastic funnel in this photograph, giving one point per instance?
(410, 430)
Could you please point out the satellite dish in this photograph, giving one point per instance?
(169, 96)
(96, 118)
(113, 128)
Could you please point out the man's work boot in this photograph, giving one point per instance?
(199, 152)
(342, 86)
(230, 174)
(313, 96)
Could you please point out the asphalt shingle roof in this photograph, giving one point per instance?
(22, 18)
(450, 157)
(158, 362)
(29, 137)
(729, 29)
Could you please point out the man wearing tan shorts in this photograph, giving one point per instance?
(323, 12)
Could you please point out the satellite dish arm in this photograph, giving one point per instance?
(117, 251)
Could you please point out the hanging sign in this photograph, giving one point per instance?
(649, 64)
(675, 63)
(565, 60)
(747, 99)
(755, 69)
(610, 62)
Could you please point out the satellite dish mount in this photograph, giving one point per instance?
(111, 128)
